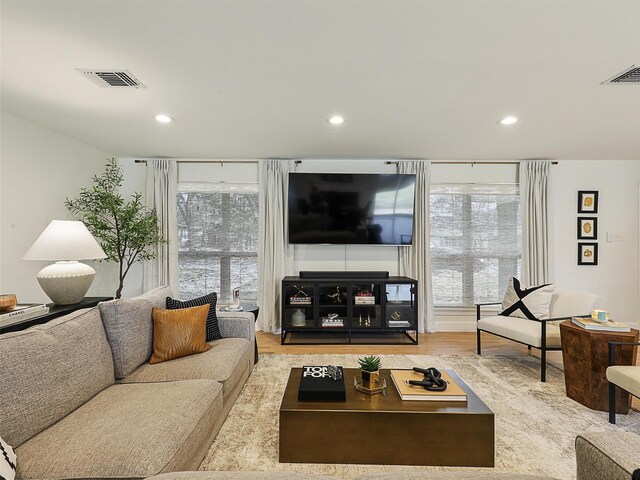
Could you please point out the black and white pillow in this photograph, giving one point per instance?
(213, 331)
(532, 303)
(7, 461)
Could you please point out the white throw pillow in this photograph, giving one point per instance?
(7, 461)
(532, 303)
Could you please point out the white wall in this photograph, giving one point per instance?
(615, 278)
(39, 169)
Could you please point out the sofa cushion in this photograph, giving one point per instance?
(607, 455)
(158, 296)
(626, 377)
(226, 362)
(129, 328)
(532, 303)
(521, 330)
(127, 431)
(49, 370)
(178, 333)
(213, 331)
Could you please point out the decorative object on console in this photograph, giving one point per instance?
(128, 231)
(588, 201)
(298, 319)
(8, 302)
(370, 368)
(587, 228)
(65, 241)
(532, 303)
(587, 254)
(213, 330)
(178, 333)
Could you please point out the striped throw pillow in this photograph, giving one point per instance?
(213, 331)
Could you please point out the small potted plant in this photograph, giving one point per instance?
(370, 368)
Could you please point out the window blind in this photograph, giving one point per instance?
(475, 242)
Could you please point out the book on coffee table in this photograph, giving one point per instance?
(318, 385)
(453, 393)
(608, 326)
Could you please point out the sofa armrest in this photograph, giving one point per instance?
(610, 455)
(237, 325)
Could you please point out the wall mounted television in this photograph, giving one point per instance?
(351, 208)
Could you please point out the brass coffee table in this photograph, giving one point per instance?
(385, 430)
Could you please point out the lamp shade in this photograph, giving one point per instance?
(65, 240)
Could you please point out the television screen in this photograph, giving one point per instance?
(351, 209)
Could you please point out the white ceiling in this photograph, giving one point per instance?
(247, 79)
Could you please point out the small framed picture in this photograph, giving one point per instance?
(587, 254)
(587, 228)
(588, 201)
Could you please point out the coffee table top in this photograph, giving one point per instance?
(358, 401)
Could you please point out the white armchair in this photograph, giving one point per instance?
(626, 377)
(541, 334)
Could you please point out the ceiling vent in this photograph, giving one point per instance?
(630, 75)
(119, 78)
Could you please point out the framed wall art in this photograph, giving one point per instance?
(587, 254)
(588, 201)
(587, 228)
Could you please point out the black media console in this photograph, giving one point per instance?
(349, 307)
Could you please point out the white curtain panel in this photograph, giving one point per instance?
(536, 222)
(415, 260)
(275, 256)
(161, 191)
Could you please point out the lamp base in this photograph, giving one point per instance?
(66, 283)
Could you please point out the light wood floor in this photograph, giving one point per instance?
(445, 343)
(429, 344)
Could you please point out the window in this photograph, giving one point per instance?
(218, 239)
(475, 242)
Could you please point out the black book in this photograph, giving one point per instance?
(317, 385)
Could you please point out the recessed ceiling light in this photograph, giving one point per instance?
(508, 120)
(162, 118)
(336, 120)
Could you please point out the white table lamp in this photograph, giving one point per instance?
(65, 241)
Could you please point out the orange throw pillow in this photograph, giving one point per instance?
(178, 333)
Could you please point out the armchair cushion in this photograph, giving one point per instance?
(522, 330)
(626, 377)
(532, 303)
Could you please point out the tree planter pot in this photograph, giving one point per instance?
(370, 379)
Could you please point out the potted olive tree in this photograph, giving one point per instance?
(126, 229)
(370, 368)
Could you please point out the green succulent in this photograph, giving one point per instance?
(370, 363)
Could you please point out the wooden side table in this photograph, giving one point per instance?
(585, 357)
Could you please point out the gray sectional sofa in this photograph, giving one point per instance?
(79, 399)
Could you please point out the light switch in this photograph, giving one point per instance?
(611, 237)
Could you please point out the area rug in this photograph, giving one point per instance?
(536, 424)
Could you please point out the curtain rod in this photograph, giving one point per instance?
(389, 162)
(221, 162)
(468, 163)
